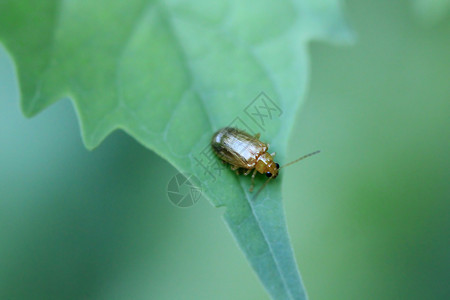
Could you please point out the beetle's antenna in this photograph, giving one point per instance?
(261, 188)
(299, 159)
(288, 164)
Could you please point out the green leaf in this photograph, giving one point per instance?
(431, 11)
(170, 73)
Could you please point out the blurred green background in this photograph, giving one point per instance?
(369, 218)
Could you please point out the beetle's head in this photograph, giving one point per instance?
(272, 170)
(267, 166)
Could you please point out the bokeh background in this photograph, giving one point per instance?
(369, 218)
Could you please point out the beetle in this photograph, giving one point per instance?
(242, 150)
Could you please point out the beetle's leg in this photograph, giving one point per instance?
(235, 168)
(253, 181)
(247, 172)
(257, 136)
(223, 161)
(273, 154)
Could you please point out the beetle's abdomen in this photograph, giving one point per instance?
(237, 147)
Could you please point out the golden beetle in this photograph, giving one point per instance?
(241, 150)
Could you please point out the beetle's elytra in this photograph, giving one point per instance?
(241, 150)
